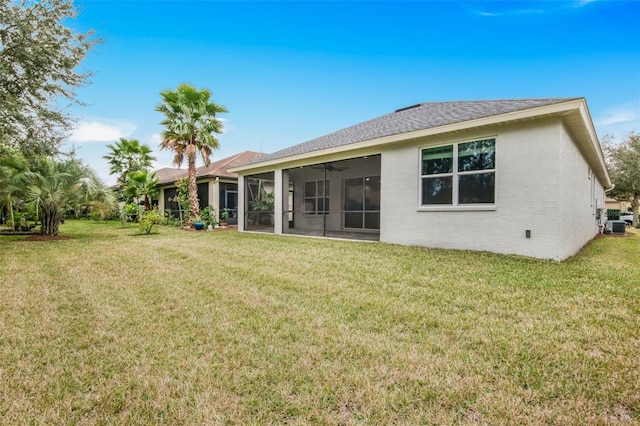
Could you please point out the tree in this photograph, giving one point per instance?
(190, 127)
(12, 167)
(39, 55)
(142, 184)
(56, 186)
(623, 162)
(128, 156)
(182, 197)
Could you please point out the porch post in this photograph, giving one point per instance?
(214, 195)
(278, 201)
(161, 201)
(285, 202)
(241, 191)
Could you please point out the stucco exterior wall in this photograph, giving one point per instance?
(535, 167)
(581, 196)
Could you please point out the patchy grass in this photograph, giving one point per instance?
(110, 327)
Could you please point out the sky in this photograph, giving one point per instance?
(291, 71)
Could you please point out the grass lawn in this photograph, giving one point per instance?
(177, 327)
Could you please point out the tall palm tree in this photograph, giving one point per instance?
(190, 127)
(128, 156)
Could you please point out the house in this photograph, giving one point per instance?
(613, 204)
(523, 176)
(217, 186)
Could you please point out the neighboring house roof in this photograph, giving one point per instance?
(440, 117)
(218, 168)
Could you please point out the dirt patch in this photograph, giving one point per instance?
(46, 238)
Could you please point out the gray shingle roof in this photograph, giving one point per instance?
(418, 117)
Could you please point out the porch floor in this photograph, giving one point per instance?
(348, 235)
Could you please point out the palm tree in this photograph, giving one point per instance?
(142, 184)
(12, 167)
(190, 127)
(55, 186)
(128, 156)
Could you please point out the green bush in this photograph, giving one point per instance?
(130, 212)
(613, 214)
(208, 216)
(147, 219)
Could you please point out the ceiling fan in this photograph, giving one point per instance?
(330, 167)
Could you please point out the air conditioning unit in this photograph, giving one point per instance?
(616, 227)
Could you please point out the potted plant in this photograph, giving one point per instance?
(198, 224)
(224, 217)
(208, 216)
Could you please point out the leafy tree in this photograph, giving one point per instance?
(623, 162)
(128, 156)
(56, 186)
(190, 127)
(39, 55)
(142, 184)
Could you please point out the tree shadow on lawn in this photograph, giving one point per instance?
(39, 237)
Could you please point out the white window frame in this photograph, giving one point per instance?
(455, 181)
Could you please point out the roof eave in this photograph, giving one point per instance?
(587, 140)
(546, 110)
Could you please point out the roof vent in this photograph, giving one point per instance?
(409, 107)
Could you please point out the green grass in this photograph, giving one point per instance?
(110, 327)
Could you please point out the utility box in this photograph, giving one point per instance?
(616, 227)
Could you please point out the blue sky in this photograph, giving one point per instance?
(291, 71)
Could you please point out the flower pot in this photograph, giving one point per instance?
(198, 226)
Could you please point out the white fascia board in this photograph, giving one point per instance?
(595, 144)
(401, 137)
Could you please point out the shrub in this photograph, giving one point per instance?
(147, 219)
(613, 214)
(131, 211)
(208, 216)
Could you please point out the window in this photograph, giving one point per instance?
(316, 197)
(459, 174)
(362, 202)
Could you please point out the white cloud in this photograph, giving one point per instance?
(619, 121)
(155, 138)
(101, 131)
(625, 113)
(226, 127)
(539, 8)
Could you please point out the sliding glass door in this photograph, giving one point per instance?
(362, 203)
